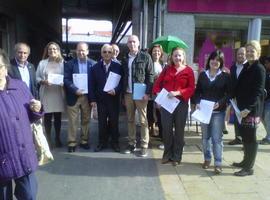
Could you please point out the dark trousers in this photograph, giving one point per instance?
(151, 111)
(108, 118)
(25, 188)
(48, 124)
(236, 128)
(174, 140)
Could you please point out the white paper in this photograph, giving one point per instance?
(236, 111)
(112, 81)
(204, 114)
(56, 79)
(81, 82)
(168, 103)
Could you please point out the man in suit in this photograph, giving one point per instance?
(235, 73)
(107, 102)
(137, 68)
(77, 100)
(22, 69)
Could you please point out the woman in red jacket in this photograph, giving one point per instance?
(178, 79)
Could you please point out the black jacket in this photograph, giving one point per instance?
(218, 90)
(249, 90)
(14, 72)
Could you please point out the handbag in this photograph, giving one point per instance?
(250, 121)
(43, 151)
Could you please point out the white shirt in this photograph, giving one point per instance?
(157, 68)
(82, 66)
(24, 74)
(130, 61)
(239, 68)
(212, 78)
(106, 66)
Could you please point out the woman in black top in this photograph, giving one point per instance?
(249, 94)
(213, 85)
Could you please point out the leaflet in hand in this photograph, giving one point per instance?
(166, 102)
(112, 81)
(139, 91)
(236, 111)
(204, 114)
(81, 82)
(56, 79)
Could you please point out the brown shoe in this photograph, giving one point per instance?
(165, 161)
(218, 170)
(206, 164)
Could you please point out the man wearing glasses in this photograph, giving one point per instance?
(107, 101)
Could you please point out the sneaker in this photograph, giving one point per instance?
(218, 170)
(143, 152)
(265, 141)
(161, 146)
(206, 164)
(129, 149)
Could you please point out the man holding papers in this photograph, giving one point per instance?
(213, 91)
(51, 90)
(77, 71)
(138, 69)
(176, 85)
(104, 92)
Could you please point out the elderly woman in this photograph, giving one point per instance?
(51, 95)
(18, 160)
(249, 94)
(178, 80)
(213, 85)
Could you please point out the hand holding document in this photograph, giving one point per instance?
(236, 111)
(168, 103)
(112, 81)
(204, 114)
(139, 91)
(81, 82)
(56, 79)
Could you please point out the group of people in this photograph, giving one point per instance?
(245, 84)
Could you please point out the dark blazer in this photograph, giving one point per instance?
(249, 89)
(14, 72)
(72, 67)
(234, 78)
(97, 80)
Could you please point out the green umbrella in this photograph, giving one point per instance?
(169, 42)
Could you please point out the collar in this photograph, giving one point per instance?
(20, 65)
(106, 64)
(207, 72)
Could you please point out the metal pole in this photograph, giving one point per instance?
(145, 23)
(155, 21)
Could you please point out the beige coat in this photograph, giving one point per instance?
(52, 97)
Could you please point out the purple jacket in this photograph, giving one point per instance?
(17, 151)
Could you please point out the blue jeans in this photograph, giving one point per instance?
(266, 119)
(212, 136)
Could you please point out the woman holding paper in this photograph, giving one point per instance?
(249, 94)
(178, 80)
(213, 86)
(49, 76)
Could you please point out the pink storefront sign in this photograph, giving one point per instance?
(245, 7)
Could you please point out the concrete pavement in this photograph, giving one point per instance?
(107, 175)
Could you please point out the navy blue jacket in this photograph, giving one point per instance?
(97, 81)
(70, 68)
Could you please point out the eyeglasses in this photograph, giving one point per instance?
(107, 52)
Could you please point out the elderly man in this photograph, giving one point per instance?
(22, 69)
(77, 99)
(107, 102)
(138, 68)
(115, 53)
(236, 70)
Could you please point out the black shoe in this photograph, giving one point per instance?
(265, 141)
(100, 147)
(244, 172)
(58, 143)
(225, 132)
(116, 147)
(85, 146)
(129, 149)
(71, 149)
(235, 142)
(241, 164)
